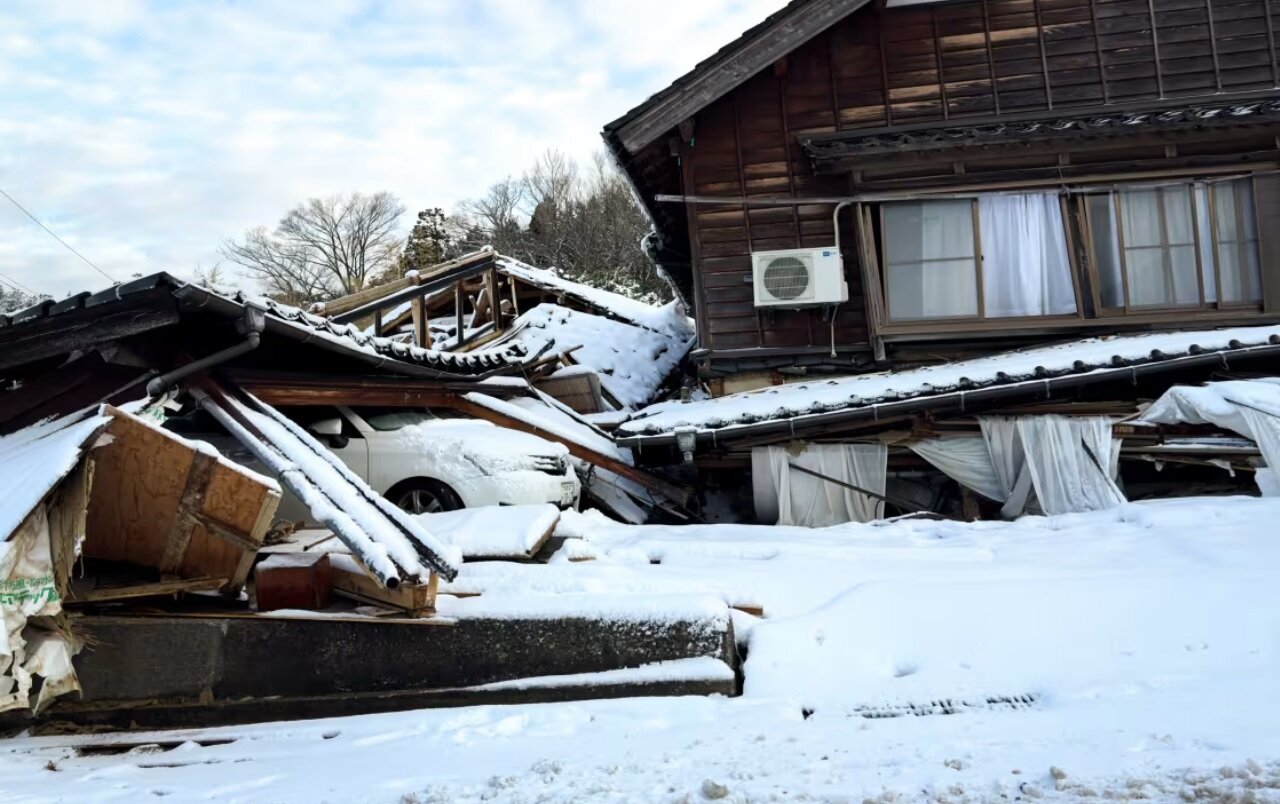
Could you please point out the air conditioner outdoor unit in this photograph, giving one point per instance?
(798, 277)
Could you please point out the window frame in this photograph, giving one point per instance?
(886, 265)
(1129, 309)
(1079, 225)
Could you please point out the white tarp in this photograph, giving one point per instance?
(1054, 464)
(1248, 407)
(797, 498)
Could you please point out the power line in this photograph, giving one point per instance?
(16, 285)
(87, 261)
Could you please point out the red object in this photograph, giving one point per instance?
(293, 581)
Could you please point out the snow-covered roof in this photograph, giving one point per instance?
(666, 319)
(159, 290)
(807, 401)
(351, 337)
(35, 459)
(631, 361)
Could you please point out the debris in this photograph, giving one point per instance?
(293, 581)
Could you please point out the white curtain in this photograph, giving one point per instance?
(930, 256)
(1160, 246)
(1053, 464)
(1072, 462)
(1248, 407)
(966, 460)
(1025, 267)
(808, 501)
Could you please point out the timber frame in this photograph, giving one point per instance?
(856, 109)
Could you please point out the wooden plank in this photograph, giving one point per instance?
(146, 590)
(414, 600)
(346, 304)
(188, 505)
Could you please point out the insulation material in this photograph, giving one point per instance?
(797, 498)
(1248, 407)
(36, 557)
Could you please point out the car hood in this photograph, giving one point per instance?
(481, 440)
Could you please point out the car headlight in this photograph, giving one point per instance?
(551, 464)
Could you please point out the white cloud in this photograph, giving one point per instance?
(147, 133)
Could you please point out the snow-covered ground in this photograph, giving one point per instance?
(1127, 654)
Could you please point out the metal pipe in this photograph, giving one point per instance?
(253, 322)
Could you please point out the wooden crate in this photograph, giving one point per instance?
(157, 502)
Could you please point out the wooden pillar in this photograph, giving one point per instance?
(458, 313)
(377, 324)
(495, 304)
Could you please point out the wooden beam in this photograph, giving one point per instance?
(148, 590)
(495, 304)
(56, 335)
(188, 508)
(669, 490)
(318, 389)
(226, 533)
(421, 324)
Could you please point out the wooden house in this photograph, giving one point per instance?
(990, 173)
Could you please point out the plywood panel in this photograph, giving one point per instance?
(136, 507)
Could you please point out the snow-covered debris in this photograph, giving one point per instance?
(1248, 407)
(698, 668)
(513, 531)
(668, 319)
(1091, 355)
(1146, 656)
(631, 361)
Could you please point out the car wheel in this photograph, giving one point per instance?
(421, 496)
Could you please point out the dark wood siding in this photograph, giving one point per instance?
(921, 65)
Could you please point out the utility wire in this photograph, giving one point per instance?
(16, 285)
(87, 261)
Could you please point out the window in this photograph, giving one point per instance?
(931, 260)
(1186, 245)
(1235, 238)
(995, 256)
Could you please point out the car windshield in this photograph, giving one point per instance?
(390, 419)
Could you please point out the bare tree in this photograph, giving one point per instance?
(324, 247)
(494, 219)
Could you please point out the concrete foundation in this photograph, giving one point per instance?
(173, 671)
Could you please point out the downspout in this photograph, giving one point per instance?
(254, 321)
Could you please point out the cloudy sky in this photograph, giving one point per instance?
(146, 133)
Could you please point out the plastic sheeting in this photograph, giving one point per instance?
(1053, 464)
(1248, 407)
(797, 498)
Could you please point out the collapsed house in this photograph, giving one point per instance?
(130, 543)
(596, 351)
(965, 212)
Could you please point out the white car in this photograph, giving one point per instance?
(425, 463)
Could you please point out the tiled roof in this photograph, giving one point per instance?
(284, 320)
(1087, 123)
(999, 376)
